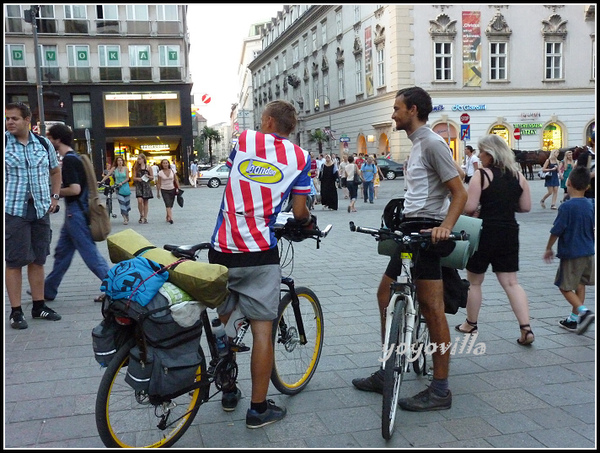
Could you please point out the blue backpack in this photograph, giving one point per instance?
(137, 279)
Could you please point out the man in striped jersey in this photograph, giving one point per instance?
(265, 167)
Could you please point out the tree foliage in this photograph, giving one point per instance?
(320, 137)
(213, 136)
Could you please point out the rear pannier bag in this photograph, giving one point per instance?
(166, 361)
(107, 338)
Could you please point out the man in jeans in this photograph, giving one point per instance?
(431, 175)
(367, 172)
(28, 201)
(244, 240)
(75, 234)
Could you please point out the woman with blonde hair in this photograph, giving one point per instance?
(142, 175)
(120, 173)
(166, 187)
(564, 169)
(501, 190)
(551, 182)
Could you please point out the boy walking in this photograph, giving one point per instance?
(574, 229)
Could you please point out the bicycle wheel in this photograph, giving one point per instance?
(295, 361)
(125, 418)
(395, 367)
(420, 341)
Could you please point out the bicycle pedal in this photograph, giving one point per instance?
(240, 348)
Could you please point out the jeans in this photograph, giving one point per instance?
(74, 236)
(368, 190)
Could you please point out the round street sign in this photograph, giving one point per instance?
(517, 133)
(205, 98)
(464, 118)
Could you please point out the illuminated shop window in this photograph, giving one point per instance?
(553, 137)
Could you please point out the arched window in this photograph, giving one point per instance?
(553, 137)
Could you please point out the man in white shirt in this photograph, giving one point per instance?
(472, 163)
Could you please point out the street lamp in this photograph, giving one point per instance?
(30, 17)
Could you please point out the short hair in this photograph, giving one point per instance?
(350, 158)
(21, 106)
(419, 97)
(284, 114)
(61, 132)
(470, 148)
(580, 178)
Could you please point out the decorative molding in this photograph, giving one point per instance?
(379, 39)
(498, 28)
(554, 27)
(357, 48)
(442, 26)
(306, 75)
(324, 64)
(293, 80)
(339, 56)
(379, 12)
(315, 69)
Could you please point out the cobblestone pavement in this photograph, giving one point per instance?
(543, 396)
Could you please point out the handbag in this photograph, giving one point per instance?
(178, 193)
(544, 174)
(357, 178)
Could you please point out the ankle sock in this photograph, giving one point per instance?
(38, 304)
(14, 310)
(439, 387)
(259, 407)
(581, 310)
(573, 317)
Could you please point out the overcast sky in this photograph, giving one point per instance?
(216, 35)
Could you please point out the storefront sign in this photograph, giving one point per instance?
(528, 128)
(461, 108)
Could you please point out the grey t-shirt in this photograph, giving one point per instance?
(430, 165)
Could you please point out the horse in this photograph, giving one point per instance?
(528, 159)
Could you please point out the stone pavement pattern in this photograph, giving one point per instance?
(543, 396)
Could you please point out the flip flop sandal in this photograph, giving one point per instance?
(473, 326)
(529, 336)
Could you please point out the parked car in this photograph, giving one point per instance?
(389, 168)
(214, 176)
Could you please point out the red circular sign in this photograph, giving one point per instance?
(205, 98)
(517, 133)
(464, 118)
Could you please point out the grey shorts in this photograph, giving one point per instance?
(574, 272)
(255, 290)
(26, 240)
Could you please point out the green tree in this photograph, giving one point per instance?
(213, 136)
(199, 148)
(319, 136)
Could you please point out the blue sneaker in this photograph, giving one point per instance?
(271, 415)
(230, 400)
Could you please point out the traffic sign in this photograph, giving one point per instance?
(464, 118)
(465, 132)
(206, 98)
(517, 133)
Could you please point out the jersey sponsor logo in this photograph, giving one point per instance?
(259, 171)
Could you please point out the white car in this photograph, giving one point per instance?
(214, 176)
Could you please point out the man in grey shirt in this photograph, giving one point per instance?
(431, 175)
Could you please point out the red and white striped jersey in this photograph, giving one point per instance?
(264, 169)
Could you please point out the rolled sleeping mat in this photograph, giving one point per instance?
(464, 249)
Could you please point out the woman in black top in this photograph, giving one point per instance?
(499, 190)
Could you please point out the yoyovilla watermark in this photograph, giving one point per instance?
(414, 351)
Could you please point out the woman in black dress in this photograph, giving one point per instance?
(142, 175)
(328, 177)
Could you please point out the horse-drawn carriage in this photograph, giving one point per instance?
(528, 159)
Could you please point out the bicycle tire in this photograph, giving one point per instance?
(294, 363)
(421, 338)
(123, 421)
(395, 367)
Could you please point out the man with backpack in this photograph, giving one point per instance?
(75, 234)
(29, 162)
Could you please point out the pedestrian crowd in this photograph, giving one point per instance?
(438, 191)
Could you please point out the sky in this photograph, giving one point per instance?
(216, 35)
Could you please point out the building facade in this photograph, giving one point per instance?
(525, 72)
(117, 74)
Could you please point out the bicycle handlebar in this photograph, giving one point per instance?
(400, 237)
